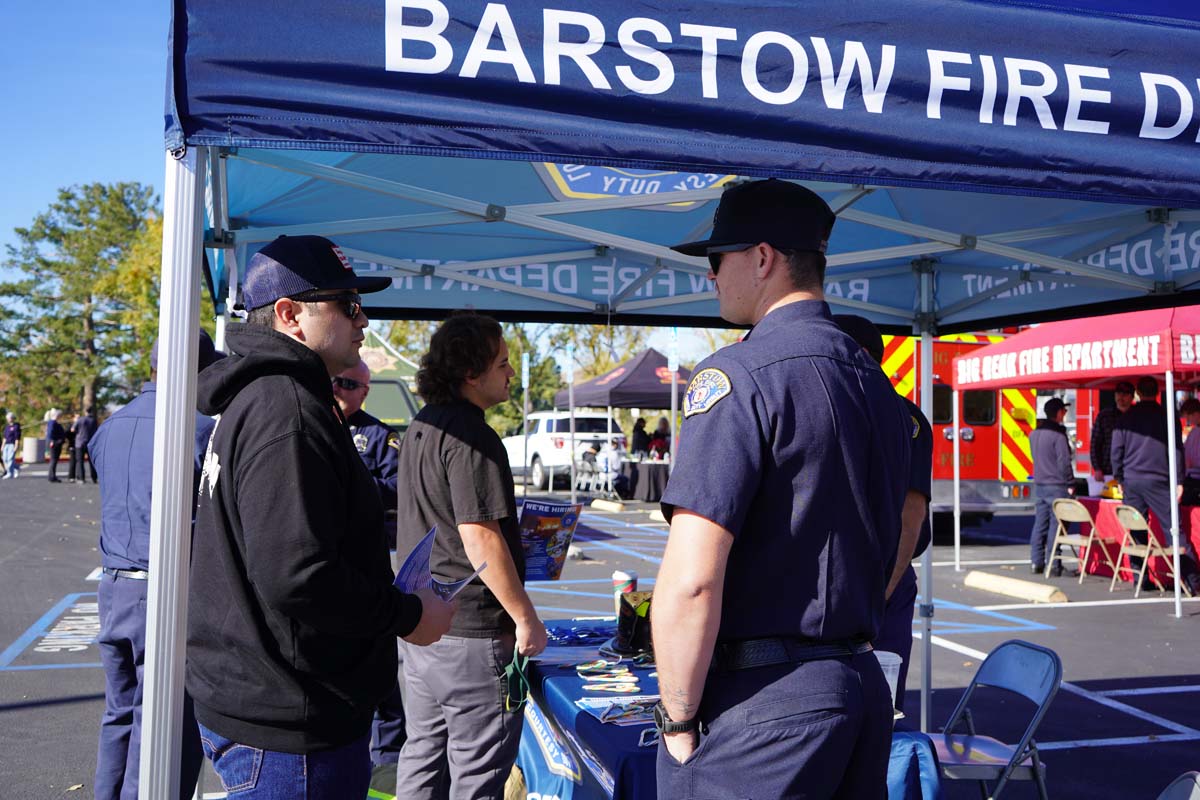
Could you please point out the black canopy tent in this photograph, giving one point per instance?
(643, 381)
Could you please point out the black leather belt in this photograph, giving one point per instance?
(751, 653)
(131, 574)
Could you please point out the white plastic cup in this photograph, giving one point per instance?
(890, 663)
(623, 583)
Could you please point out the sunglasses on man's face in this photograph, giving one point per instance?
(715, 254)
(349, 384)
(349, 302)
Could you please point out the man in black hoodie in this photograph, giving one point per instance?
(1052, 478)
(292, 613)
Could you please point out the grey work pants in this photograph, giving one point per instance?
(461, 742)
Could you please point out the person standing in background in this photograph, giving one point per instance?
(1053, 475)
(122, 451)
(84, 427)
(1101, 442)
(12, 440)
(55, 436)
(378, 446)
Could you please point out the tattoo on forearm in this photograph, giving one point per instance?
(679, 698)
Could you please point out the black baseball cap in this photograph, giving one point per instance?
(863, 331)
(1053, 406)
(291, 265)
(785, 215)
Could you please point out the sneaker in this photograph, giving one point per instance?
(1037, 569)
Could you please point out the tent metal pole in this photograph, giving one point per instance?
(171, 487)
(1172, 466)
(571, 409)
(925, 609)
(525, 421)
(954, 400)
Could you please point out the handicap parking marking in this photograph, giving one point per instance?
(71, 626)
(95, 574)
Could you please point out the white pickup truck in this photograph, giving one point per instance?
(550, 443)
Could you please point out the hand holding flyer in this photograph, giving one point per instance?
(414, 573)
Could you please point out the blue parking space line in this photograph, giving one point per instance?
(30, 667)
(1022, 624)
(38, 628)
(547, 590)
(572, 582)
(625, 550)
(575, 612)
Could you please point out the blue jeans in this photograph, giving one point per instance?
(251, 773)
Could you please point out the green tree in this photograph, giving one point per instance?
(68, 333)
(599, 348)
(411, 337)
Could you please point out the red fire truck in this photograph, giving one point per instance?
(994, 428)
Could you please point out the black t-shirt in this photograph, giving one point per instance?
(454, 470)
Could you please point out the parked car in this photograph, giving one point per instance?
(550, 443)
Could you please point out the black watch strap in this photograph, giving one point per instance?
(664, 724)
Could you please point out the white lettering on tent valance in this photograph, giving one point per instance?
(1133, 352)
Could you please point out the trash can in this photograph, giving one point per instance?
(33, 450)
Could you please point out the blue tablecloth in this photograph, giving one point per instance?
(568, 753)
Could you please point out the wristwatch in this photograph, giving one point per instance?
(664, 724)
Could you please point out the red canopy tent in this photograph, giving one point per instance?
(1089, 353)
(1095, 352)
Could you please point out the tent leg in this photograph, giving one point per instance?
(174, 447)
(1172, 466)
(954, 431)
(925, 608)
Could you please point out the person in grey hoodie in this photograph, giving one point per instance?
(1052, 479)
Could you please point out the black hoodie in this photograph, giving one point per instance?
(292, 616)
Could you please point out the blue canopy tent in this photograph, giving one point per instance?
(989, 162)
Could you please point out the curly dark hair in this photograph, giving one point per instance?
(462, 347)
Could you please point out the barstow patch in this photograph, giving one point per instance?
(361, 442)
(393, 441)
(916, 426)
(707, 388)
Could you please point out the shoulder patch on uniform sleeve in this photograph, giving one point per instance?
(706, 389)
(916, 426)
(393, 441)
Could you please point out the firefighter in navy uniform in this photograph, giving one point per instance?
(895, 635)
(379, 447)
(785, 510)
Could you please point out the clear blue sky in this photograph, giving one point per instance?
(82, 85)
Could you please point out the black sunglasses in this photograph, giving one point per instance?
(715, 254)
(350, 302)
(349, 384)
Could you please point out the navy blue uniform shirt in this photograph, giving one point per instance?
(123, 452)
(379, 447)
(795, 441)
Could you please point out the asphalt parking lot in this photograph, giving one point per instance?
(1126, 721)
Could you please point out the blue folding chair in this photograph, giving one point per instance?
(1026, 669)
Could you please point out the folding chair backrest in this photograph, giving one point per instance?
(1131, 519)
(1029, 670)
(1068, 510)
(1185, 787)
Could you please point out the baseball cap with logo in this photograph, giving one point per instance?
(785, 215)
(291, 265)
